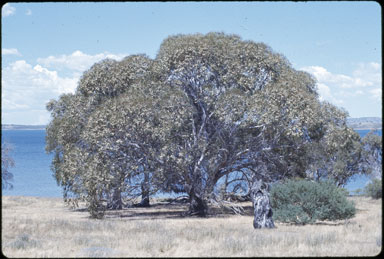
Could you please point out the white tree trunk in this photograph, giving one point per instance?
(261, 206)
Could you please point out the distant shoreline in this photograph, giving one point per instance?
(367, 128)
(363, 123)
(25, 129)
(22, 127)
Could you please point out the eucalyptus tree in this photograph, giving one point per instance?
(73, 162)
(121, 137)
(372, 154)
(62, 136)
(248, 110)
(208, 108)
(335, 151)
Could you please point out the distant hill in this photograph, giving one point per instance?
(365, 123)
(22, 127)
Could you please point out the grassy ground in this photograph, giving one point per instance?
(44, 227)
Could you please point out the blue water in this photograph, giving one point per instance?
(32, 174)
(359, 181)
(362, 133)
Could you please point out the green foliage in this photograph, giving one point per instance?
(82, 132)
(374, 189)
(372, 155)
(335, 150)
(205, 107)
(245, 108)
(303, 202)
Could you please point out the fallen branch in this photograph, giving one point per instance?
(236, 208)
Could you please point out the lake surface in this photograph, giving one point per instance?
(33, 176)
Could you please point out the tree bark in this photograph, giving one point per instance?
(145, 189)
(262, 209)
(197, 206)
(144, 200)
(116, 202)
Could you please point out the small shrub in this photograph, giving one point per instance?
(374, 189)
(303, 202)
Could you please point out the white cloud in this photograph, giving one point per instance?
(20, 75)
(359, 91)
(359, 79)
(326, 95)
(11, 105)
(77, 61)
(365, 78)
(12, 51)
(369, 73)
(8, 10)
(26, 88)
(323, 91)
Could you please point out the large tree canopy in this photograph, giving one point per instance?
(207, 108)
(248, 110)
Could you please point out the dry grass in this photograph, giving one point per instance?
(44, 227)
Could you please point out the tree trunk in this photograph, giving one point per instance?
(145, 188)
(197, 206)
(144, 200)
(116, 203)
(95, 204)
(261, 205)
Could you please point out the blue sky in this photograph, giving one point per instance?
(47, 46)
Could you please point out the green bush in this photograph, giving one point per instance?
(374, 189)
(304, 202)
